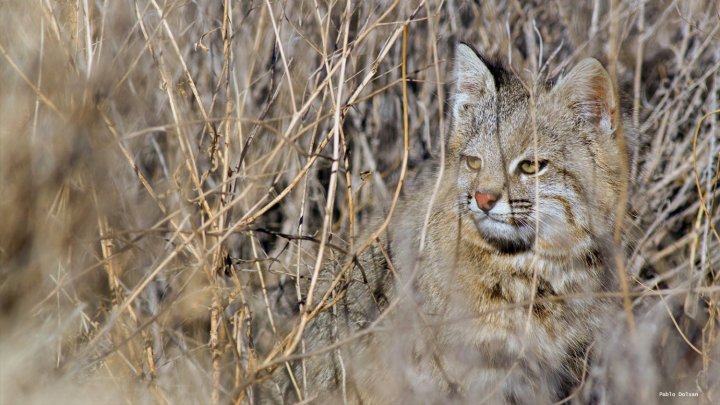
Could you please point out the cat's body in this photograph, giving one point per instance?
(491, 308)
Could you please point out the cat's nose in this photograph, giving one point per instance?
(486, 201)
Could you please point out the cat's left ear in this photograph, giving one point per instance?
(474, 82)
(588, 91)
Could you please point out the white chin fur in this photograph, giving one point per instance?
(551, 226)
(497, 229)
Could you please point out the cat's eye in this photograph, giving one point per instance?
(473, 163)
(531, 167)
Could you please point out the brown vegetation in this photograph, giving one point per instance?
(170, 170)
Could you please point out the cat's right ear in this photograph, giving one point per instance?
(588, 91)
(473, 79)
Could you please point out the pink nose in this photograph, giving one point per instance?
(486, 201)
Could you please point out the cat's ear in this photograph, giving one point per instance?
(473, 79)
(588, 91)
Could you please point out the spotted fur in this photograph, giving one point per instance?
(502, 303)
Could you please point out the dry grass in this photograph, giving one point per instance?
(169, 169)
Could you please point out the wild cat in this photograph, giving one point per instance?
(501, 304)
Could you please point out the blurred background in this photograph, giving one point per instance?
(165, 166)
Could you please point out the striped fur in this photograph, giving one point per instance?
(498, 305)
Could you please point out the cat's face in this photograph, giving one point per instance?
(547, 183)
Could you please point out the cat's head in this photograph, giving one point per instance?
(548, 181)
